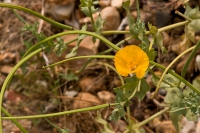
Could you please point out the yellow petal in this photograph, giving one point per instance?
(129, 54)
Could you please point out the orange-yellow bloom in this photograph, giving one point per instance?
(131, 60)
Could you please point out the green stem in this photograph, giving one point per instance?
(73, 40)
(180, 109)
(20, 18)
(171, 85)
(192, 54)
(138, 8)
(169, 66)
(9, 77)
(147, 32)
(92, 19)
(139, 86)
(152, 42)
(37, 15)
(81, 57)
(152, 117)
(132, 95)
(71, 28)
(182, 15)
(104, 52)
(173, 26)
(22, 129)
(33, 48)
(111, 67)
(178, 77)
(63, 113)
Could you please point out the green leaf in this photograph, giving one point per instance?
(121, 97)
(158, 37)
(119, 111)
(173, 97)
(137, 28)
(130, 85)
(106, 128)
(192, 13)
(125, 5)
(87, 12)
(144, 88)
(39, 36)
(80, 38)
(176, 120)
(196, 82)
(152, 54)
(170, 79)
(60, 46)
(194, 25)
(191, 56)
(191, 116)
(99, 25)
(95, 2)
(187, 91)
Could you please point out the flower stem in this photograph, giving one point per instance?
(37, 15)
(152, 117)
(138, 8)
(9, 77)
(63, 113)
(81, 57)
(182, 15)
(104, 52)
(34, 47)
(92, 19)
(14, 121)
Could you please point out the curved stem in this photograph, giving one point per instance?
(111, 67)
(8, 78)
(104, 52)
(152, 117)
(168, 67)
(62, 113)
(37, 15)
(14, 121)
(147, 32)
(81, 57)
(107, 42)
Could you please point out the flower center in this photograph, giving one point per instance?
(131, 65)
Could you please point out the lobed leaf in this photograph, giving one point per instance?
(106, 128)
(144, 88)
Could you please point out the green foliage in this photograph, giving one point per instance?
(133, 129)
(130, 85)
(137, 28)
(158, 39)
(39, 36)
(144, 88)
(151, 54)
(88, 3)
(183, 101)
(119, 111)
(99, 23)
(173, 97)
(106, 128)
(60, 46)
(80, 38)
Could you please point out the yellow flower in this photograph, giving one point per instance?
(131, 60)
